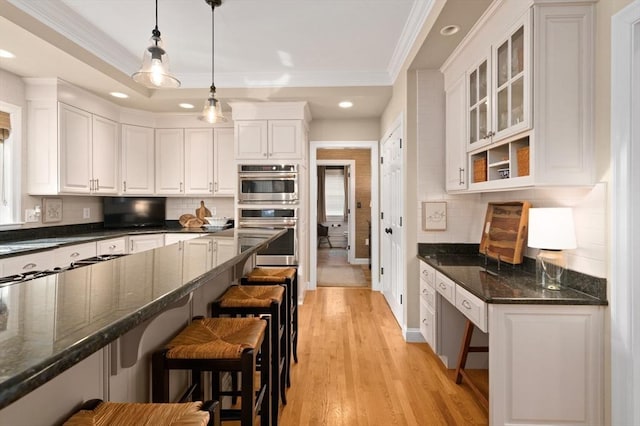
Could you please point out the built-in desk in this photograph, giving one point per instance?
(59, 322)
(546, 348)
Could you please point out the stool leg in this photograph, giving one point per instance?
(294, 315)
(196, 382)
(159, 378)
(247, 410)
(268, 417)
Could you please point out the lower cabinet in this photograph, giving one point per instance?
(139, 243)
(197, 257)
(428, 305)
(112, 246)
(546, 364)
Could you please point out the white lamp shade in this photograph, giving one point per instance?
(551, 228)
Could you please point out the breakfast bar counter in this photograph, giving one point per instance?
(52, 323)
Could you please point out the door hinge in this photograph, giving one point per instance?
(400, 220)
(381, 160)
(381, 215)
(401, 299)
(400, 143)
(381, 271)
(348, 247)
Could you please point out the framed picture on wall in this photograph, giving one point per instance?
(434, 215)
(51, 210)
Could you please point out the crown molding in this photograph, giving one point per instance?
(417, 17)
(62, 19)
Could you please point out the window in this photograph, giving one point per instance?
(334, 191)
(10, 120)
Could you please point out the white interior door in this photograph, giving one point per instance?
(391, 197)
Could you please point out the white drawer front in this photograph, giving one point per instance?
(64, 256)
(446, 288)
(428, 274)
(113, 246)
(427, 324)
(27, 263)
(472, 307)
(428, 294)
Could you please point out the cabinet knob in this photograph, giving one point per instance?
(466, 304)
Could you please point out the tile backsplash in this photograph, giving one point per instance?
(176, 207)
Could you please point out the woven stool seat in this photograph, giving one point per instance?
(133, 414)
(216, 338)
(259, 296)
(272, 275)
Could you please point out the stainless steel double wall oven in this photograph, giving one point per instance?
(268, 198)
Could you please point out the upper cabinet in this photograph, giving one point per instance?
(195, 161)
(269, 139)
(528, 112)
(88, 147)
(71, 149)
(138, 153)
(268, 131)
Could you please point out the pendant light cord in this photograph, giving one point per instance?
(156, 32)
(213, 8)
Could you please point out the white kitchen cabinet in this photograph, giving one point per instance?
(225, 174)
(528, 69)
(27, 263)
(224, 248)
(169, 161)
(197, 257)
(140, 243)
(428, 305)
(66, 255)
(546, 364)
(269, 140)
(185, 161)
(88, 152)
(456, 154)
(111, 246)
(138, 160)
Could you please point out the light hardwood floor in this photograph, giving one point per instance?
(355, 369)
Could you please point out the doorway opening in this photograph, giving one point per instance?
(343, 194)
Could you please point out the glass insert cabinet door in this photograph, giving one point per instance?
(479, 105)
(511, 82)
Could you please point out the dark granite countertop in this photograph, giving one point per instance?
(509, 284)
(44, 328)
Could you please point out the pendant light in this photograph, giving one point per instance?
(154, 72)
(212, 111)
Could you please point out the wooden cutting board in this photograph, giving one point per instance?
(504, 233)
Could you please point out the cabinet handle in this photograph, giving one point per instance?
(74, 254)
(90, 184)
(97, 188)
(466, 304)
(424, 291)
(461, 172)
(210, 246)
(442, 285)
(210, 187)
(29, 266)
(215, 186)
(112, 247)
(424, 321)
(131, 247)
(124, 186)
(264, 155)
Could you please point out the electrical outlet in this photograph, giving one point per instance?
(86, 213)
(30, 215)
(366, 241)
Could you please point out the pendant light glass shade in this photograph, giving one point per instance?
(154, 72)
(212, 111)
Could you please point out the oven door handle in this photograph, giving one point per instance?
(267, 224)
(272, 176)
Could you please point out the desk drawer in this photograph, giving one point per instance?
(472, 307)
(428, 274)
(446, 287)
(428, 293)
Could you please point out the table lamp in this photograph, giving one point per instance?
(551, 230)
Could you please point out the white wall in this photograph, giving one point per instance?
(466, 211)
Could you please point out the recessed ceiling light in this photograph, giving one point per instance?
(119, 95)
(345, 104)
(186, 106)
(450, 30)
(6, 54)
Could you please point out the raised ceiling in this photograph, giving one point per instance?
(319, 51)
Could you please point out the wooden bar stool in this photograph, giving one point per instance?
(465, 348)
(259, 300)
(97, 412)
(289, 278)
(221, 345)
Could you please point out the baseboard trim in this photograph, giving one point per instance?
(413, 335)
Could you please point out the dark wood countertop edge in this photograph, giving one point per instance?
(18, 386)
